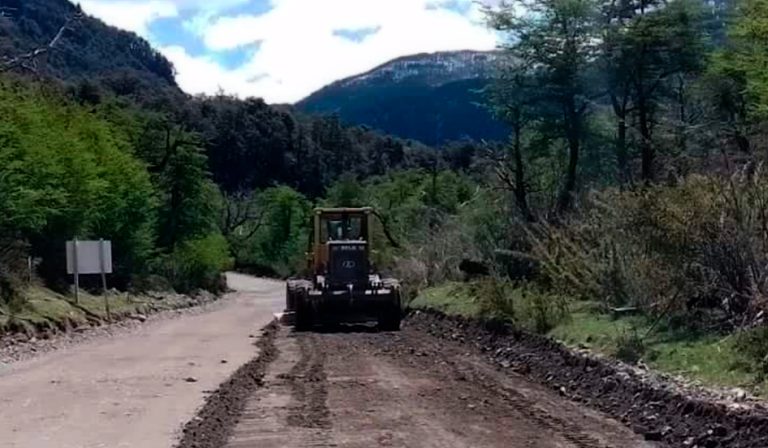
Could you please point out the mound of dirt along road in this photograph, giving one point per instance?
(659, 410)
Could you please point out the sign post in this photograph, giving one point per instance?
(104, 278)
(76, 271)
(90, 257)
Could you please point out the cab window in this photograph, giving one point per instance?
(340, 229)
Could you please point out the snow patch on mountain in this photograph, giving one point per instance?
(434, 68)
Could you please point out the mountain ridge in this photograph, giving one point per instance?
(482, 69)
(431, 97)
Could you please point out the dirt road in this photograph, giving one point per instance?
(132, 390)
(365, 389)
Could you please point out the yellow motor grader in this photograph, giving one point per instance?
(342, 285)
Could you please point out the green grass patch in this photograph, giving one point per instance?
(710, 360)
(455, 299)
(42, 309)
(528, 307)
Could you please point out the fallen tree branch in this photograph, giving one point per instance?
(27, 61)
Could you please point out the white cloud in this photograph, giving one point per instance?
(130, 15)
(204, 75)
(299, 52)
(136, 15)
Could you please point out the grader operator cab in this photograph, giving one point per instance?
(343, 285)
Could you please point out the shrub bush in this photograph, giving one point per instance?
(526, 304)
(539, 310)
(697, 246)
(630, 346)
(197, 264)
(753, 344)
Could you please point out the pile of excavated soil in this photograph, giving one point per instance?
(215, 421)
(658, 410)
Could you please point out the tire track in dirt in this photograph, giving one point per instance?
(530, 408)
(291, 409)
(408, 389)
(309, 385)
(358, 389)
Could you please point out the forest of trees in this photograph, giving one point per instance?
(184, 187)
(634, 175)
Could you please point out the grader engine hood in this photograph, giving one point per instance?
(348, 262)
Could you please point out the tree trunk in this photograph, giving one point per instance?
(622, 154)
(646, 146)
(682, 137)
(620, 110)
(521, 189)
(574, 145)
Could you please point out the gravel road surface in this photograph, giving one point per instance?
(134, 390)
(356, 388)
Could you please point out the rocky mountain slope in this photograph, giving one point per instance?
(433, 98)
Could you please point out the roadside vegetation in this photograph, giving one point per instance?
(68, 171)
(43, 312)
(185, 188)
(627, 213)
(700, 358)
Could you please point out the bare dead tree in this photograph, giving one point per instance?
(386, 229)
(510, 172)
(241, 210)
(28, 61)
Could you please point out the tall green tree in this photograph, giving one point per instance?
(514, 101)
(556, 40)
(64, 173)
(179, 168)
(736, 81)
(645, 43)
(748, 53)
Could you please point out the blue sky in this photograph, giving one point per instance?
(282, 50)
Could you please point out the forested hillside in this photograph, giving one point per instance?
(433, 98)
(627, 212)
(98, 146)
(89, 50)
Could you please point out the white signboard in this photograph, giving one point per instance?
(93, 257)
